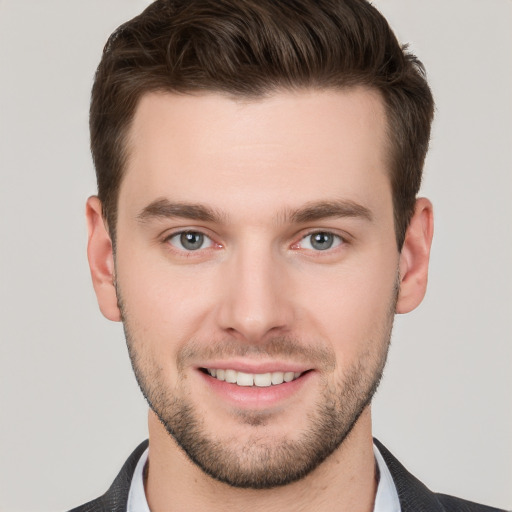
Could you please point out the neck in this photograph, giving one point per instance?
(344, 481)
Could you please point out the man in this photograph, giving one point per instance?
(256, 229)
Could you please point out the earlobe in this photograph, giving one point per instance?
(101, 260)
(414, 257)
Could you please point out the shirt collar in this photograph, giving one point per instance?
(137, 497)
(386, 499)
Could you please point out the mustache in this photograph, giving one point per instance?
(279, 347)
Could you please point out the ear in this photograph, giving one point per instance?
(414, 257)
(101, 260)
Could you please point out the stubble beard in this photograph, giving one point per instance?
(259, 462)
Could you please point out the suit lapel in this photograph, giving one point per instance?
(413, 495)
(116, 498)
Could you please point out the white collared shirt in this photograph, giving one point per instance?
(137, 497)
(386, 499)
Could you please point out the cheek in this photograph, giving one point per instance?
(353, 307)
(164, 303)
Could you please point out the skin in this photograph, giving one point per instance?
(255, 164)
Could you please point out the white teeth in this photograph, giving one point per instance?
(262, 380)
(277, 378)
(230, 376)
(245, 379)
(288, 376)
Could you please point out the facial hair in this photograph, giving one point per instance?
(262, 462)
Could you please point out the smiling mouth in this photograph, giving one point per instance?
(261, 380)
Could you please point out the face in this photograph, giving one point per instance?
(256, 270)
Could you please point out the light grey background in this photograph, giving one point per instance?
(70, 409)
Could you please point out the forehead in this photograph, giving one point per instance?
(288, 148)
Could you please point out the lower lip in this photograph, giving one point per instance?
(254, 397)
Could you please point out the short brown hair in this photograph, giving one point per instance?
(251, 48)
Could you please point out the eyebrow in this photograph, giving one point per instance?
(329, 209)
(163, 209)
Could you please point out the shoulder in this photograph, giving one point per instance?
(115, 499)
(415, 496)
(453, 504)
(97, 505)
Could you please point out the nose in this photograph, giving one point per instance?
(255, 302)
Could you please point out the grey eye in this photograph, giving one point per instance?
(190, 241)
(321, 241)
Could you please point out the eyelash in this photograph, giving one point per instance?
(337, 241)
(180, 234)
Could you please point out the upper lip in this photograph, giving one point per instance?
(256, 366)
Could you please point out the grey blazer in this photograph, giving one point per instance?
(413, 495)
